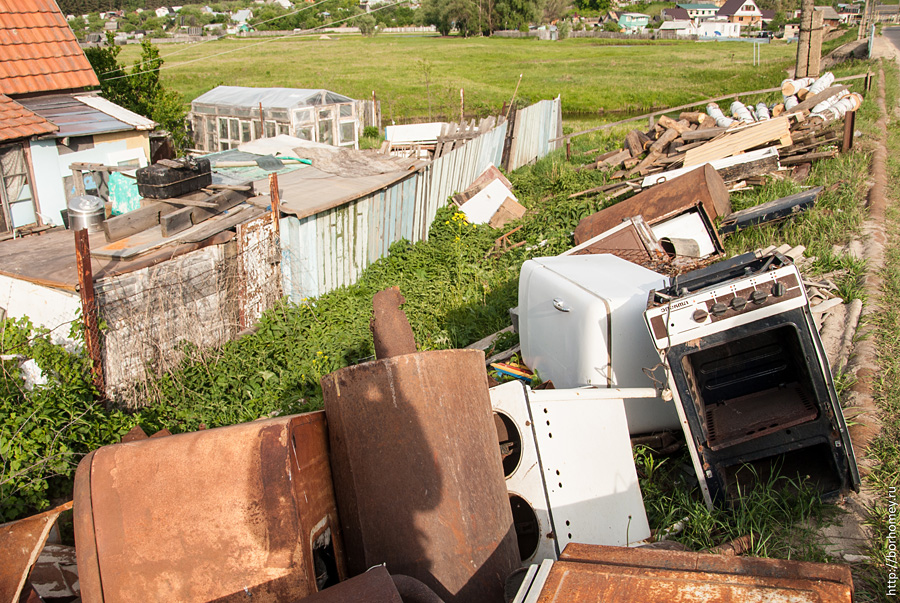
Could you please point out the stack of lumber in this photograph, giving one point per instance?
(745, 147)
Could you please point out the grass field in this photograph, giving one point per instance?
(419, 77)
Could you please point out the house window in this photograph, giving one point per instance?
(15, 189)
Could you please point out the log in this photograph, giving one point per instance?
(649, 160)
(741, 171)
(645, 140)
(707, 122)
(705, 134)
(617, 159)
(630, 163)
(693, 116)
(633, 143)
(669, 123)
(663, 141)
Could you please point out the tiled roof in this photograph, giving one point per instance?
(38, 51)
(18, 122)
(679, 13)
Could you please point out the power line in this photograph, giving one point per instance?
(274, 39)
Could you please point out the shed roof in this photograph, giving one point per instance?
(271, 98)
(38, 51)
(74, 117)
(678, 13)
(113, 110)
(18, 122)
(676, 25)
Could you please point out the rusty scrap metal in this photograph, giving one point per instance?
(217, 515)
(391, 332)
(703, 185)
(373, 586)
(21, 543)
(417, 472)
(599, 573)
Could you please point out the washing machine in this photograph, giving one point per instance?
(569, 467)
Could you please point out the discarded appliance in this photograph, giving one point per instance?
(640, 575)
(770, 212)
(172, 178)
(673, 197)
(21, 543)
(580, 324)
(750, 378)
(630, 240)
(376, 586)
(495, 204)
(689, 234)
(551, 441)
(216, 515)
(86, 211)
(417, 473)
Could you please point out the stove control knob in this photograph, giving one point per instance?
(699, 315)
(738, 303)
(718, 309)
(778, 289)
(758, 297)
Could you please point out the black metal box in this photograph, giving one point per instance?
(164, 181)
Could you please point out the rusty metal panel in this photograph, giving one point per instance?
(259, 265)
(373, 586)
(20, 544)
(703, 185)
(220, 514)
(597, 573)
(418, 475)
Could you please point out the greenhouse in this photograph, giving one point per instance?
(227, 116)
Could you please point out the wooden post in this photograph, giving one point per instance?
(78, 181)
(462, 105)
(568, 150)
(262, 122)
(651, 122)
(849, 128)
(807, 8)
(89, 307)
(274, 195)
(815, 43)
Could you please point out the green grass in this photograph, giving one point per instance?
(595, 77)
(885, 450)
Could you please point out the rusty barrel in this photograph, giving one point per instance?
(418, 475)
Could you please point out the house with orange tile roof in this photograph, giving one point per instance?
(49, 119)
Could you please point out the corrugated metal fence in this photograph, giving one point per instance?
(533, 129)
(331, 249)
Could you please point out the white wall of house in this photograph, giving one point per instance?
(47, 307)
(51, 167)
(718, 29)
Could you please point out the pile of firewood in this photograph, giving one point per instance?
(794, 131)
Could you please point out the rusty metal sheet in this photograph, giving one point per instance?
(20, 544)
(418, 475)
(373, 586)
(703, 185)
(597, 573)
(391, 332)
(55, 575)
(219, 514)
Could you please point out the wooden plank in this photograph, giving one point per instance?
(183, 219)
(119, 227)
(812, 101)
(232, 219)
(808, 157)
(741, 140)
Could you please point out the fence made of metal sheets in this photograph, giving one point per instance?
(330, 249)
(534, 127)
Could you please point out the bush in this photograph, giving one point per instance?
(563, 29)
(371, 132)
(367, 25)
(46, 430)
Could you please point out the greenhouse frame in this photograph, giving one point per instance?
(227, 116)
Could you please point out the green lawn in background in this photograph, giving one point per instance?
(419, 77)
